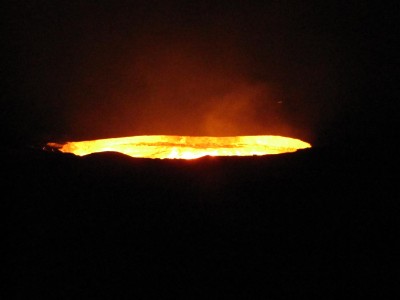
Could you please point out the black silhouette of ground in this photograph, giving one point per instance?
(318, 222)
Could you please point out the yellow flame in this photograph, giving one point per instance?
(186, 147)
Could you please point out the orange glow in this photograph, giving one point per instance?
(186, 147)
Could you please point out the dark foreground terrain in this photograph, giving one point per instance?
(317, 223)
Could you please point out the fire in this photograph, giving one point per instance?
(185, 147)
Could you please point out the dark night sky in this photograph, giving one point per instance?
(322, 71)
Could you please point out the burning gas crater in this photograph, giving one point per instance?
(185, 147)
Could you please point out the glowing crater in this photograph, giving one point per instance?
(185, 147)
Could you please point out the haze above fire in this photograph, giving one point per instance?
(186, 86)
